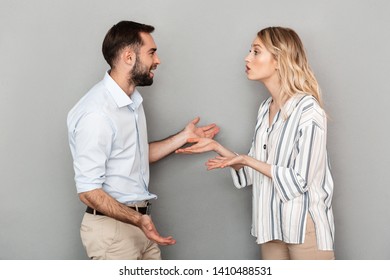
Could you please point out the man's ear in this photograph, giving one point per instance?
(129, 56)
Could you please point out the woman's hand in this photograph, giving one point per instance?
(237, 162)
(200, 145)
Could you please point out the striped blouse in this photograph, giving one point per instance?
(295, 147)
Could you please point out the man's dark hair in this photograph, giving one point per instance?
(121, 35)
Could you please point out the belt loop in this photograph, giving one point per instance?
(148, 209)
(94, 212)
(136, 207)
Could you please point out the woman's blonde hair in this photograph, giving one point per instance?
(293, 68)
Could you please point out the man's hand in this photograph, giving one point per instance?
(101, 201)
(147, 226)
(207, 131)
(162, 148)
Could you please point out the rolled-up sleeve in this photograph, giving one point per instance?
(243, 177)
(307, 163)
(92, 140)
(240, 178)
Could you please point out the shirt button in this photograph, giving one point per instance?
(265, 146)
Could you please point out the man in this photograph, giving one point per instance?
(108, 141)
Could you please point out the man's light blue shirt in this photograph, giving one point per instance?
(108, 140)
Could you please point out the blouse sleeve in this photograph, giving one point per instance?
(309, 160)
(242, 177)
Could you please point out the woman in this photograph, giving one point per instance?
(287, 163)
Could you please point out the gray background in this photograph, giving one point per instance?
(50, 56)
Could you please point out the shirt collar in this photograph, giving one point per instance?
(120, 97)
(291, 104)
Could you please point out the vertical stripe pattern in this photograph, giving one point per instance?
(295, 147)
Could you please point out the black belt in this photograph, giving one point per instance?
(141, 210)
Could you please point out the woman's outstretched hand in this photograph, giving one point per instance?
(200, 145)
(236, 162)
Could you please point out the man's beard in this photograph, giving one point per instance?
(140, 75)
